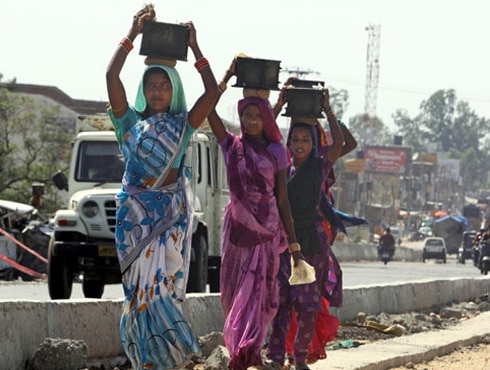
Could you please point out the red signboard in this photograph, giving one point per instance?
(387, 160)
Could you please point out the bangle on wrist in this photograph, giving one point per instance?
(201, 63)
(294, 247)
(126, 44)
(222, 87)
(330, 113)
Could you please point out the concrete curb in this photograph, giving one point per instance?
(416, 348)
(369, 252)
(25, 324)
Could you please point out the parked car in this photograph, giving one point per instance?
(434, 248)
(465, 251)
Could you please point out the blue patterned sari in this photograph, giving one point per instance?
(153, 239)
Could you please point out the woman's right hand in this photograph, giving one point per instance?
(147, 13)
(296, 257)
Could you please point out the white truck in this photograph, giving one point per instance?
(82, 247)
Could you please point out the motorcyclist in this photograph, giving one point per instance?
(483, 247)
(387, 243)
(476, 245)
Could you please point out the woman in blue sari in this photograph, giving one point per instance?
(153, 235)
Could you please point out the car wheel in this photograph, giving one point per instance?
(198, 269)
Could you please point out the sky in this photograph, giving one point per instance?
(424, 46)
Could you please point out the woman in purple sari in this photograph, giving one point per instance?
(257, 227)
(153, 210)
(310, 166)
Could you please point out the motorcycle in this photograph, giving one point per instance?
(35, 235)
(484, 258)
(385, 254)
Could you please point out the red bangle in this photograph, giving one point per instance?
(126, 44)
(201, 63)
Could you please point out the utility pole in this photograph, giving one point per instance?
(297, 72)
(372, 77)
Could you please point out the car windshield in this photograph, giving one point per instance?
(99, 161)
(433, 242)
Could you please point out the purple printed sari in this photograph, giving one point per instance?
(253, 238)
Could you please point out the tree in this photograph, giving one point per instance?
(339, 101)
(410, 129)
(369, 132)
(33, 144)
(452, 123)
(456, 128)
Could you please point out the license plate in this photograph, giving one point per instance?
(107, 251)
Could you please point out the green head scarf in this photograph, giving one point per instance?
(178, 103)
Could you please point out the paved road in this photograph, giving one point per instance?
(354, 274)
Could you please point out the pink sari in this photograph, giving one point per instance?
(253, 238)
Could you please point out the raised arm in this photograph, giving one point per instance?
(281, 99)
(350, 142)
(115, 88)
(207, 101)
(338, 139)
(216, 123)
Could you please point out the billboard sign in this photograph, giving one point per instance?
(388, 160)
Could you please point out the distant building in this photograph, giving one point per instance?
(50, 96)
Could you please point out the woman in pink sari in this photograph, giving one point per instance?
(257, 227)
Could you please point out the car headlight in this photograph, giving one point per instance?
(90, 209)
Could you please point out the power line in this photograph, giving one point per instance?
(298, 72)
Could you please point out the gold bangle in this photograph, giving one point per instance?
(330, 114)
(117, 110)
(222, 86)
(294, 247)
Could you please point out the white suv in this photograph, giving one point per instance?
(434, 247)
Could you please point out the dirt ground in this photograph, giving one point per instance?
(468, 358)
(475, 357)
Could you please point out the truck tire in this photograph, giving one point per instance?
(198, 269)
(60, 277)
(214, 275)
(92, 288)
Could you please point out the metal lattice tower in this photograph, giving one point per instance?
(372, 77)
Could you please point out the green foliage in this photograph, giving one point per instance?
(369, 131)
(339, 101)
(33, 145)
(455, 128)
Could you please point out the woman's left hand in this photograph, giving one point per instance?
(326, 100)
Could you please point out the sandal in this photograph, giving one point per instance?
(273, 365)
(302, 366)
